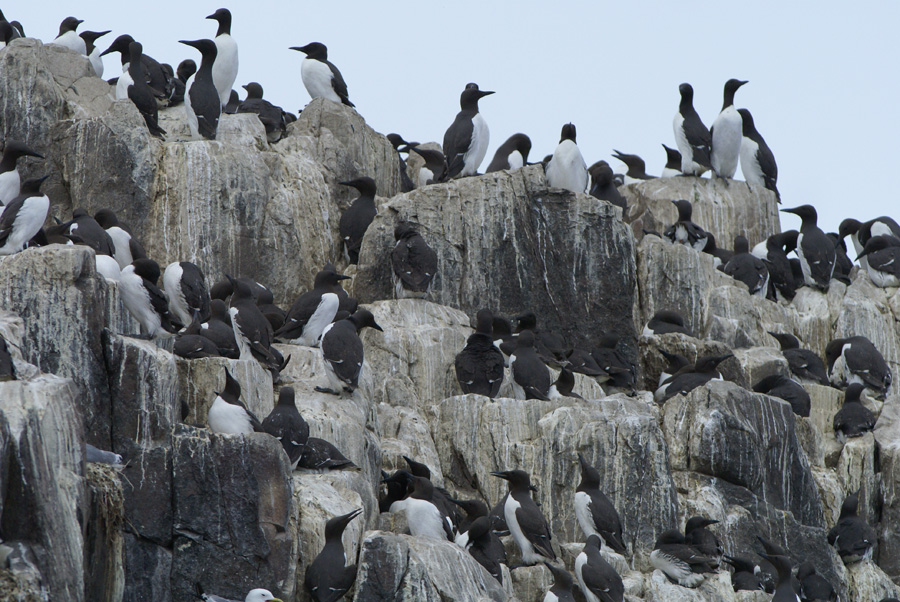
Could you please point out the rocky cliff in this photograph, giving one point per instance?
(227, 512)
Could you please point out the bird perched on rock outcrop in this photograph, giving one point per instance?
(286, 424)
(814, 248)
(679, 562)
(784, 590)
(402, 146)
(422, 511)
(599, 581)
(320, 77)
(255, 595)
(561, 590)
(84, 230)
(689, 378)
(813, 586)
(726, 134)
(773, 253)
(704, 541)
(467, 138)
(10, 181)
(225, 67)
(621, 370)
(126, 246)
(567, 168)
(852, 536)
(531, 377)
(201, 98)
(7, 366)
(512, 154)
(435, 169)
(355, 220)
(666, 321)
(186, 291)
(321, 455)
(676, 362)
(779, 385)
(804, 363)
(343, 353)
(143, 298)
(603, 184)
(159, 81)
(861, 232)
(139, 92)
(637, 169)
(269, 115)
(757, 161)
(251, 329)
(853, 419)
(414, 263)
(594, 512)
(857, 360)
(744, 577)
(684, 231)
(691, 136)
(219, 330)
(68, 38)
(673, 163)
(23, 216)
(228, 414)
(328, 578)
(191, 344)
(882, 255)
(92, 51)
(746, 268)
(313, 311)
(524, 519)
(479, 366)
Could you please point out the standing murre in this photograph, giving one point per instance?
(68, 38)
(773, 252)
(561, 590)
(784, 590)
(637, 169)
(757, 161)
(186, 291)
(512, 154)
(7, 33)
(342, 352)
(704, 541)
(673, 163)
(804, 363)
(726, 134)
(853, 419)
(139, 92)
(143, 298)
(856, 360)
(435, 169)
(423, 515)
(356, 219)
(402, 146)
(84, 230)
(744, 577)
(530, 376)
(567, 168)
(219, 330)
(598, 579)
(594, 512)
(228, 414)
(691, 136)
(527, 525)
(286, 424)
(479, 366)
(23, 216)
(484, 546)
(251, 329)
(320, 77)
(747, 268)
(414, 263)
(201, 99)
(814, 587)
(814, 248)
(10, 181)
(91, 50)
(684, 231)
(225, 67)
(603, 185)
(127, 248)
(158, 80)
(312, 312)
(269, 115)
(327, 578)
(466, 140)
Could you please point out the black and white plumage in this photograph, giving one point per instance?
(852, 536)
(856, 360)
(139, 92)
(882, 255)
(814, 248)
(234, 101)
(782, 387)
(225, 67)
(191, 344)
(467, 138)
(726, 134)
(757, 161)
(84, 230)
(843, 265)
(23, 216)
(7, 33)
(68, 37)
(691, 136)
(186, 69)
(328, 578)
(255, 595)
(402, 146)
(784, 590)
(603, 185)
(91, 50)
(202, 104)
(126, 247)
(564, 384)
(251, 329)
(186, 291)
(414, 263)
(485, 547)
(622, 371)
(747, 268)
(479, 366)
(473, 509)
(691, 377)
(228, 414)
(595, 514)
(561, 590)
(286, 424)
(813, 586)
(704, 541)
(321, 455)
(271, 116)
(676, 362)
(853, 419)
(720, 256)
(219, 330)
(357, 218)
(637, 169)
(320, 77)
(684, 231)
(7, 365)
(773, 253)
(423, 514)
(157, 78)
(679, 562)
(599, 581)
(861, 232)
(744, 577)
(10, 181)
(666, 321)
(804, 363)
(530, 376)
(673, 163)
(313, 311)
(581, 361)
(512, 154)
(567, 168)
(440, 496)
(527, 525)
(143, 298)
(435, 169)
(343, 353)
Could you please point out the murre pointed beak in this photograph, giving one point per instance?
(501, 474)
(212, 16)
(342, 277)
(483, 93)
(376, 326)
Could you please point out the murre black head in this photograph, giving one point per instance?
(731, 86)
(590, 476)
(223, 16)
(849, 226)
(786, 340)
(484, 322)
(146, 269)
(708, 363)
(468, 100)
(254, 90)
(313, 50)
(186, 69)
(365, 186)
(90, 37)
(328, 275)
(32, 186)
(747, 127)
(240, 289)
(14, 150)
(135, 51)
(207, 48)
(69, 24)
(807, 213)
(363, 318)
(403, 229)
(568, 132)
(517, 478)
(232, 391)
(878, 243)
(673, 158)
(106, 218)
(120, 44)
(335, 526)
(853, 393)
(685, 210)
(286, 397)
(741, 245)
(601, 173)
(687, 93)
(698, 522)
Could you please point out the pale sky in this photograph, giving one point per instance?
(823, 77)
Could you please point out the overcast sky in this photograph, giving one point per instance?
(823, 76)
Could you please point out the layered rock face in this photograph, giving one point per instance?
(226, 513)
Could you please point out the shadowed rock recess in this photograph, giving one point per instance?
(227, 513)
